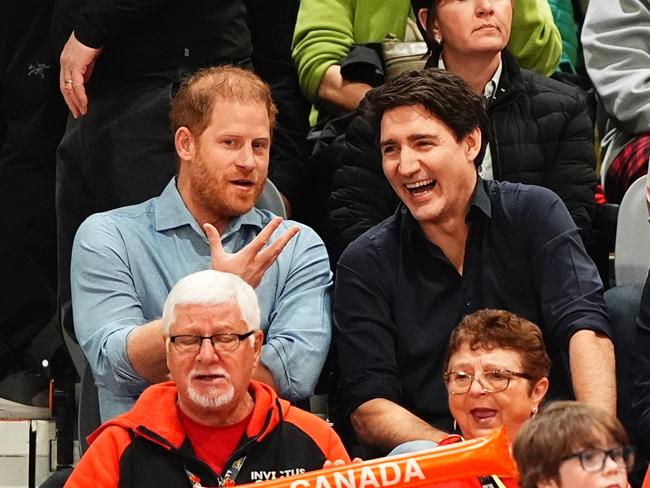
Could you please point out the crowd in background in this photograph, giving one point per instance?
(127, 164)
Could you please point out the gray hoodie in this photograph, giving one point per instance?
(616, 43)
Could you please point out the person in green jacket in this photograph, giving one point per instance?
(326, 30)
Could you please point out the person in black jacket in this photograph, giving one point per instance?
(32, 120)
(540, 129)
(121, 63)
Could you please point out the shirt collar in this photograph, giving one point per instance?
(481, 199)
(171, 213)
(490, 87)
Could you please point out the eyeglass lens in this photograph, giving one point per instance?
(594, 459)
(221, 342)
(490, 381)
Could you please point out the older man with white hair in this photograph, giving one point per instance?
(212, 424)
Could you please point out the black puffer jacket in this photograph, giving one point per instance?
(541, 134)
(144, 39)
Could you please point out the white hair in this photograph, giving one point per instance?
(212, 287)
(212, 399)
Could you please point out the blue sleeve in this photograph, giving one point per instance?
(105, 304)
(412, 446)
(300, 326)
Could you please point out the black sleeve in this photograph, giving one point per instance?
(271, 25)
(101, 20)
(566, 280)
(641, 399)
(365, 333)
(361, 196)
(572, 172)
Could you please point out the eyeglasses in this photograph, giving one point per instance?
(220, 342)
(459, 382)
(594, 459)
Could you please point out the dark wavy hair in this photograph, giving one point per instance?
(443, 94)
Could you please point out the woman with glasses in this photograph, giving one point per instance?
(496, 372)
(573, 445)
(496, 375)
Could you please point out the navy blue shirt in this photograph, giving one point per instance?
(398, 297)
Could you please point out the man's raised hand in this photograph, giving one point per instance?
(253, 260)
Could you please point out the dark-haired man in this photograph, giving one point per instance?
(125, 261)
(456, 244)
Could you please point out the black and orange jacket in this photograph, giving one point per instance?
(147, 446)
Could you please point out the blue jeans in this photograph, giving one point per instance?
(623, 308)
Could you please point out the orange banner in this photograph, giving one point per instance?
(477, 457)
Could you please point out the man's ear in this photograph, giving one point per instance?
(184, 142)
(472, 143)
(259, 340)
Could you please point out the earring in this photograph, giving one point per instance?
(455, 425)
(533, 412)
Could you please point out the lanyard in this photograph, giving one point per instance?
(228, 479)
(491, 482)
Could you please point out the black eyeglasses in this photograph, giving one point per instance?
(459, 382)
(220, 342)
(593, 459)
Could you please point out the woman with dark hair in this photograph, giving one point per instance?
(540, 131)
(571, 444)
(496, 372)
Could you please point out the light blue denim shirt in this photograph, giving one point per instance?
(125, 262)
